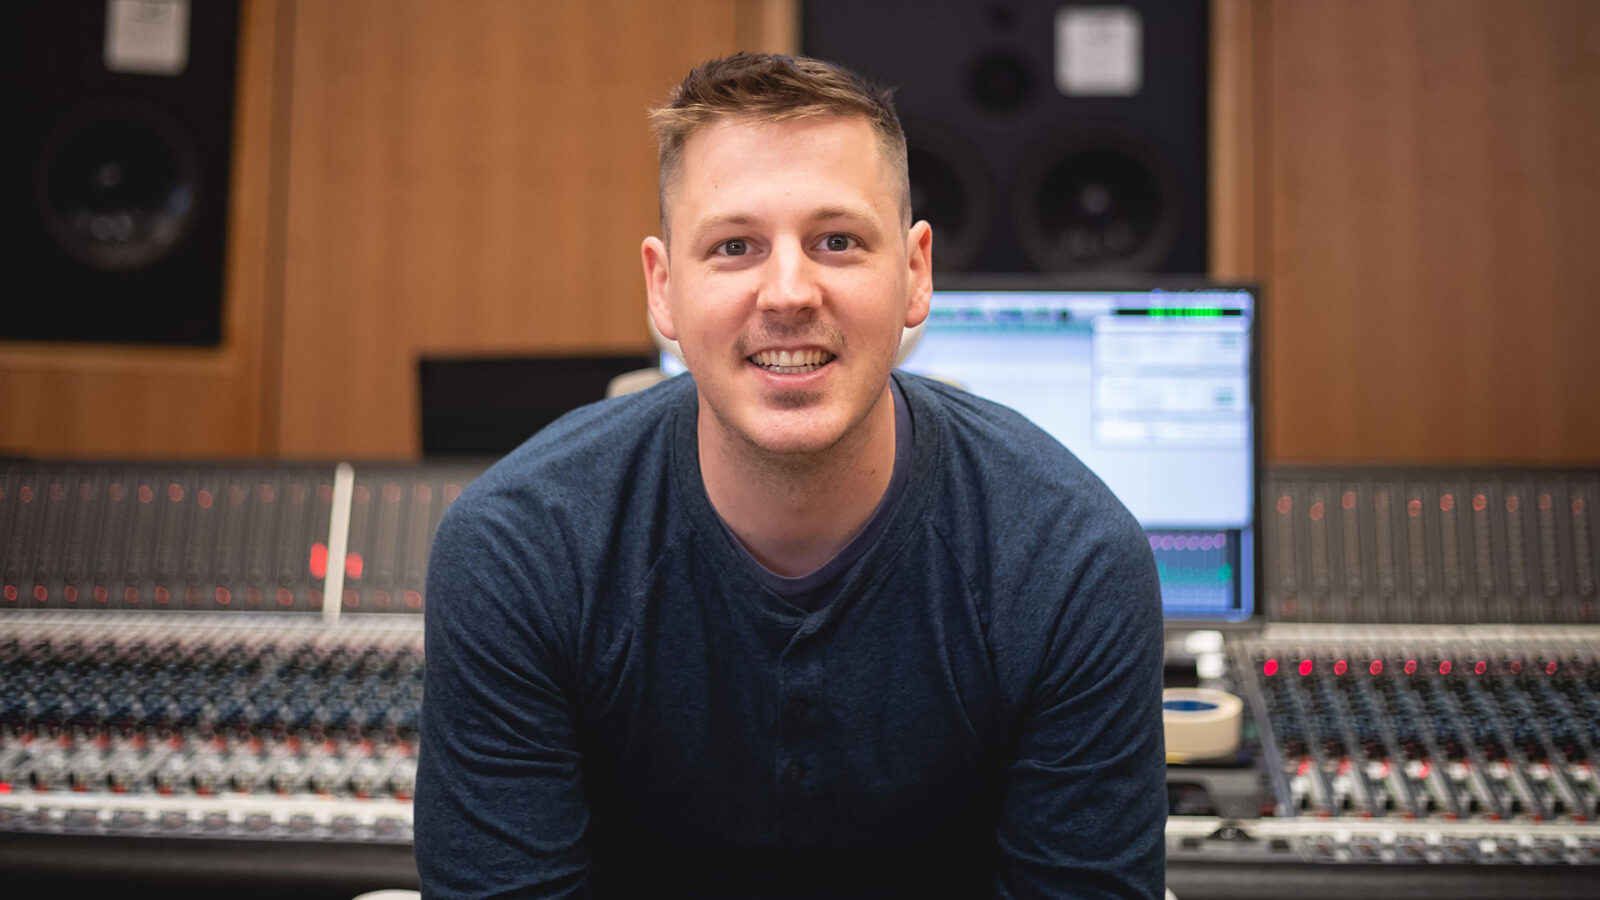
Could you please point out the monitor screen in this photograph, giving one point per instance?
(1152, 384)
(1153, 387)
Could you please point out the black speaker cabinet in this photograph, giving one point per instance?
(115, 172)
(1043, 136)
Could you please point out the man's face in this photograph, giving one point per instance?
(789, 279)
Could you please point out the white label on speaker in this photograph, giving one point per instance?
(1099, 51)
(147, 37)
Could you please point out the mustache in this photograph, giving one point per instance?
(817, 334)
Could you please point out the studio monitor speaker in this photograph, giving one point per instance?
(115, 169)
(1042, 136)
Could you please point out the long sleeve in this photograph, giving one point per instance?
(500, 808)
(1084, 801)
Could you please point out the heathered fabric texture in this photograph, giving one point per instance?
(615, 707)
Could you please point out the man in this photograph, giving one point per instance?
(797, 626)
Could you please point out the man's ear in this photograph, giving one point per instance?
(653, 254)
(919, 260)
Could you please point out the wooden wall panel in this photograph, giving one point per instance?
(1236, 221)
(470, 178)
(90, 400)
(1432, 174)
(1414, 181)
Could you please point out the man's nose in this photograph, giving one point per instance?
(791, 281)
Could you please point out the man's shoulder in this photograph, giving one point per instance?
(975, 417)
(982, 439)
(591, 446)
(580, 469)
(1029, 523)
(1006, 483)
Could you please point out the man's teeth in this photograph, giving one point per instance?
(791, 362)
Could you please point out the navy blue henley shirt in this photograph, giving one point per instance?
(616, 706)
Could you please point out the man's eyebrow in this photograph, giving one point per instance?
(855, 214)
(852, 213)
(718, 222)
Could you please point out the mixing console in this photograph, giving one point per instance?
(198, 728)
(1422, 709)
(1447, 546)
(104, 536)
(1425, 726)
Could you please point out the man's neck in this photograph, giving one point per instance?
(795, 513)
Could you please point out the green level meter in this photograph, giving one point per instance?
(1170, 574)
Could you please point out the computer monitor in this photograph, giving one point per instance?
(483, 407)
(1153, 383)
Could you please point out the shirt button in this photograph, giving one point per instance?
(793, 772)
(796, 708)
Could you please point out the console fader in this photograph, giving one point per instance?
(1422, 545)
(227, 656)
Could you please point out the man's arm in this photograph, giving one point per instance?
(1084, 801)
(500, 809)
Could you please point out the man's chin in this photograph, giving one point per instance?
(792, 400)
(791, 434)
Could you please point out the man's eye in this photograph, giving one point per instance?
(838, 243)
(735, 247)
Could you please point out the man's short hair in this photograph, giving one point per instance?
(770, 87)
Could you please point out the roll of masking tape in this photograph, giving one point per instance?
(1200, 723)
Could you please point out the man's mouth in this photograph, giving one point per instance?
(791, 362)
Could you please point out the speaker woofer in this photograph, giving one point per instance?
(950, 187)
(117, 186)
(1097, 200)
